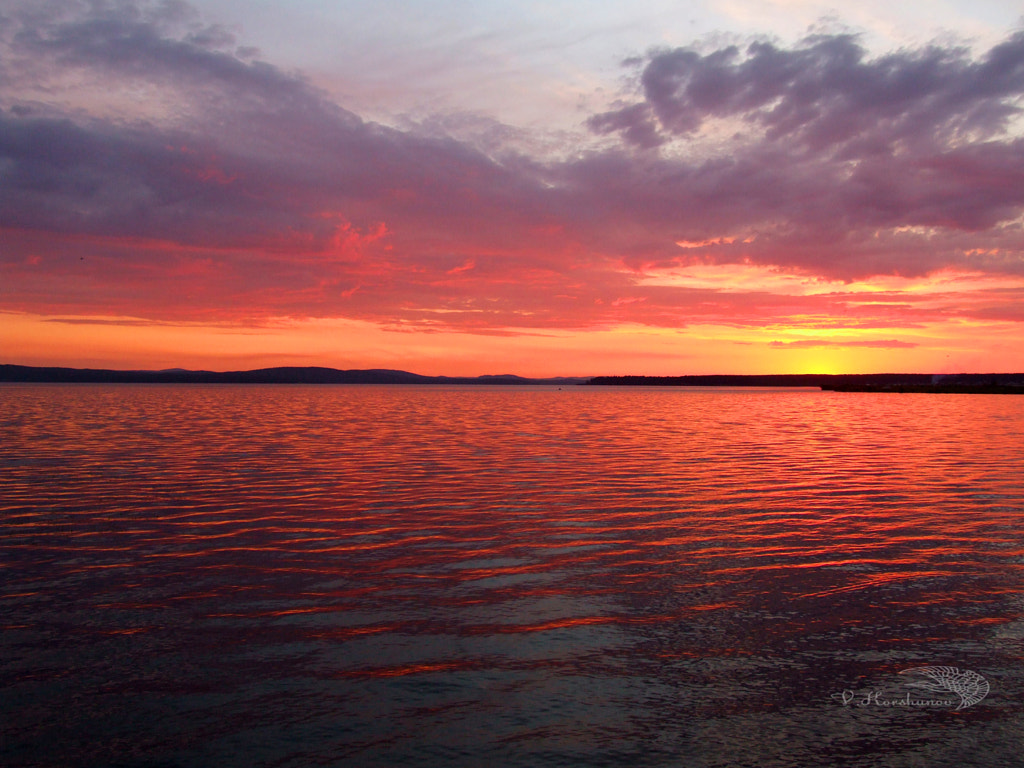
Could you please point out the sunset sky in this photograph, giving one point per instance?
(466, 187)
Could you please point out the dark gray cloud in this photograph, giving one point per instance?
(635, 122)
(826, 94)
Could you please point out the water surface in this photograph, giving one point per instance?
(372, 575)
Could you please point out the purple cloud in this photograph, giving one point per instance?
(826, 96)
(834, 149)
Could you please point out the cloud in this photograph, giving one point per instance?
(879, 344)
(131, 322)
(237, 190)
(826, 96)
(635, 122)
(831, 153)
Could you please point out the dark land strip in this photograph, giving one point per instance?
(976, 383)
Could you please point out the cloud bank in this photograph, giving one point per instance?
(152, 167)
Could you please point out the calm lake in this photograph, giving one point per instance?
(509, 576)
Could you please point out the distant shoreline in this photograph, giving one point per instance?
(972, 383)
(282, 375)
(959, 383)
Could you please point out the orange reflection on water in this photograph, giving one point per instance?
(725, 545)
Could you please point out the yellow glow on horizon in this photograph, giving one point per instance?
(955, 345)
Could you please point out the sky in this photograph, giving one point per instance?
(474, 187)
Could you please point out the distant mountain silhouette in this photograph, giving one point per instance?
(284, 375)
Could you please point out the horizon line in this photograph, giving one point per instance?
(10, 368)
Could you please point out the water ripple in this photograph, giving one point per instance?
(287, 575)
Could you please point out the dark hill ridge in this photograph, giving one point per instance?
(870, 382)
(285, 375)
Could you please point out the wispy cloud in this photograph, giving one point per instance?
(875, 344)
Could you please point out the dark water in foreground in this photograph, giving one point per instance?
(308, 576)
